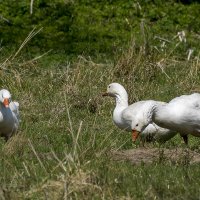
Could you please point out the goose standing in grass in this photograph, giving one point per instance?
(9, 115)
(181, 114)
(124, 115)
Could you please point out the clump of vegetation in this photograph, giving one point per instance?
(19, 18)
(98, 27)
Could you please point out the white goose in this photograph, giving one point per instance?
(181, 114)
(9, 115)
(129, 117)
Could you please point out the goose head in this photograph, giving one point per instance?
(141, 121)
(5, 97)
(118, 91)
(138, 126)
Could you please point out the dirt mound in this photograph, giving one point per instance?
(147, 156)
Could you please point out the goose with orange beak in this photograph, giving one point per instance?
(131, 118)
(9, 115)
(181, 114)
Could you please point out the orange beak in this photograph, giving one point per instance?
(6, 102)
(135, 135)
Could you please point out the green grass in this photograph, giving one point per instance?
(66, 134)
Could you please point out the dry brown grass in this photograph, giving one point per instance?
(15, 145)
(152, 155)
(66, 186)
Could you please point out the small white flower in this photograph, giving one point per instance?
(181, 35)
(190, 51)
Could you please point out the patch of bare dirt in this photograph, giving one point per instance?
(150, 155)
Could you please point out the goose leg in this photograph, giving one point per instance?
(185, 139)
(6, 137)
(142, 141)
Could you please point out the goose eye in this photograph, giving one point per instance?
(136, 124)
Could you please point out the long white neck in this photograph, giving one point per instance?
(121, 104)
(121, 101)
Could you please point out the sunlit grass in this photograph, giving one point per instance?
(62, 150)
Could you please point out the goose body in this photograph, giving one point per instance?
(181, 114)
(9, 115)
(126, 116)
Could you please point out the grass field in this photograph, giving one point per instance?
(62, 150)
